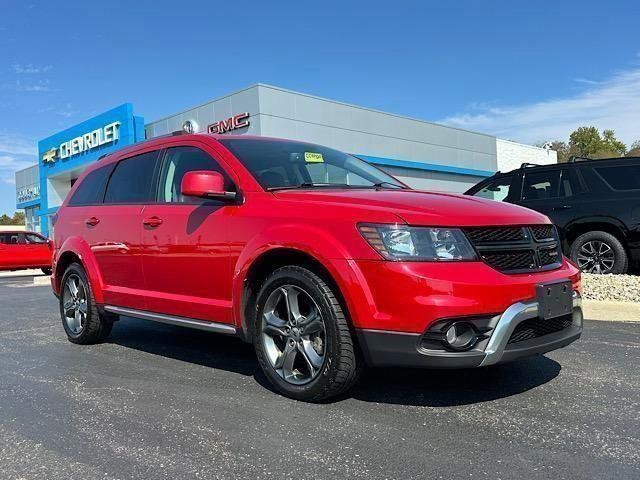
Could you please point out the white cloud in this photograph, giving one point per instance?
(16, 145)
(613, 103)
(39, 86)
(31, 69)
(16, 153)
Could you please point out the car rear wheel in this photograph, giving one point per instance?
(81, 319)
(599, 252)
(302, 340)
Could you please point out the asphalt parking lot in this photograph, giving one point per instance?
(157, 401)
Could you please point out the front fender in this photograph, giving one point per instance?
(310, 240)
(80, 248)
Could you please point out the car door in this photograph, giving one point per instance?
(17, 254)
(556, 192)
(8, 252)
(39, 250)
(114, 229)
(186, 255)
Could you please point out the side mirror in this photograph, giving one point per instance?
(205, 184)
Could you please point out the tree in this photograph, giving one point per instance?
(562, 149)
(17, 219)
(585, 141)
(634, 150)
(612, 144)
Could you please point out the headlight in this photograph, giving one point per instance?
(399, 242)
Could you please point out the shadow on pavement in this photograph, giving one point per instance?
(418, 387)
(185, 344)
(444, 388)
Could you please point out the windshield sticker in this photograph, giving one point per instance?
(310, 157)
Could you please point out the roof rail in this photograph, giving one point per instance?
(574, 159)
(527, 164)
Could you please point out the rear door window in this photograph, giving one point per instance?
(132, 181)
(91, 190)
(621, 177)
(541, 185)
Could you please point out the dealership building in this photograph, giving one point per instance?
(424, 155)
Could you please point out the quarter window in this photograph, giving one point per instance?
(621, 177)
(132, 180)
(179, 161)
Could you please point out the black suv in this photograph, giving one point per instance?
(594, 203)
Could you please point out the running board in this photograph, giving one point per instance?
(171, 320)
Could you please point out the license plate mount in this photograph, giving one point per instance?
(554, 299)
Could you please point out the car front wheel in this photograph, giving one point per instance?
(303, 342)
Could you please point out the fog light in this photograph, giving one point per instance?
(460, 336)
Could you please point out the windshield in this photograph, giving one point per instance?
(285, 164)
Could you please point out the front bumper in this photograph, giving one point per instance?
(388, 348)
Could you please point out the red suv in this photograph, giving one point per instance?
(322, 261)
(25, 250)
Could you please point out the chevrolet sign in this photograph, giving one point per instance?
(96, 138)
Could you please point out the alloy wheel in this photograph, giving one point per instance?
(293, 333)
(74, 298)
(596, 256)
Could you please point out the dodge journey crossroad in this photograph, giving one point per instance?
(321, 261)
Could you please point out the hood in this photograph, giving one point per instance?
(421, 208)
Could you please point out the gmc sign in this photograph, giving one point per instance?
(232, 123)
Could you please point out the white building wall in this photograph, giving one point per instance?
(511, 155)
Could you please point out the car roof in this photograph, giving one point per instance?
(576, 161)
(190, 136)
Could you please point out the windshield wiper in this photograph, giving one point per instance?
(382, 185)
(335, 185)
(308, 185)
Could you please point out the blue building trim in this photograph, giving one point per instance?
(30, 203)
(131, 130)
(430, 167)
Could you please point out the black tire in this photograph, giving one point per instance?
(95, 327)
(581, 246)
(47, 271)
(342, 364)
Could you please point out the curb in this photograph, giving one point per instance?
(20, 273)
(611, 311)
(46, 280)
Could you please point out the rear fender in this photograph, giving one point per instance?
(80, 248)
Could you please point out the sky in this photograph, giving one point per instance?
(522, 70)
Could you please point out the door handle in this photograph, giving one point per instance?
(92, 222)
(152, 222)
